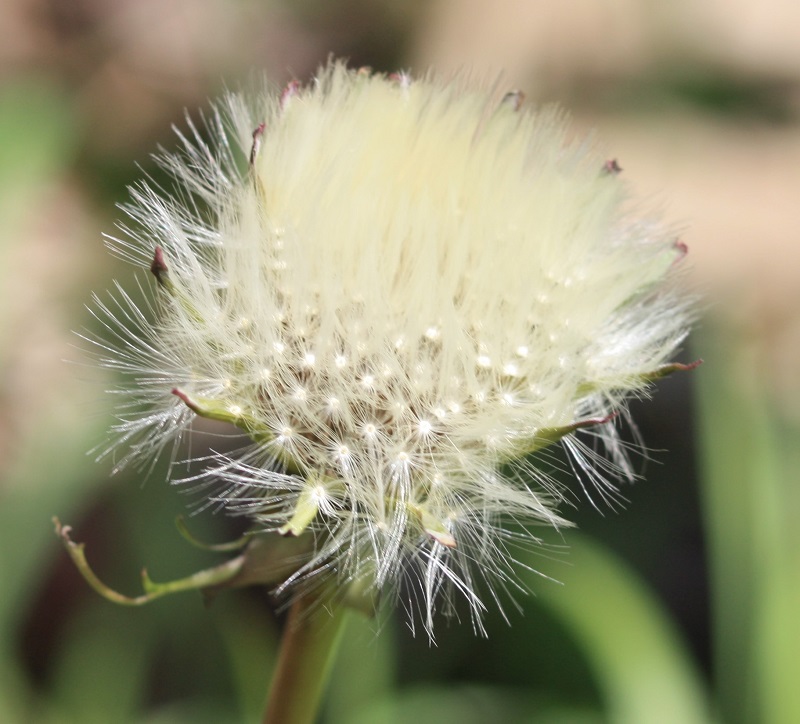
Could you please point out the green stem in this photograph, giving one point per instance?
(307, 651)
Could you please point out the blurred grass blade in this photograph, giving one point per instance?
(752, 501)
(364, 670)
(645, 674)
(777, 630)
(101, 667)
(461, 703)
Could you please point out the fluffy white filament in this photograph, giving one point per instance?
(396, 289)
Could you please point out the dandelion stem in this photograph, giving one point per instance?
(307, 651)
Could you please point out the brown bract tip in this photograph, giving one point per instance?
(513, 99)
(611, 168)
(680, 367)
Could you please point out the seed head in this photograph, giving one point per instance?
(399, 291)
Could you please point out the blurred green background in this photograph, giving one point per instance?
(682, 607)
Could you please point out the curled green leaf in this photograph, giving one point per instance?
(233, 545)
(214, 576)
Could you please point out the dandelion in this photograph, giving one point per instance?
(399, 291)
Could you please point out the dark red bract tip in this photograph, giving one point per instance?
(592, 421)
(682, 250)
(292, 89)
(183, 397)
(401, 78)
(256, 142)
(158, 266)
(611, 167)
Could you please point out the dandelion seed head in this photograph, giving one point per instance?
(408, 287)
